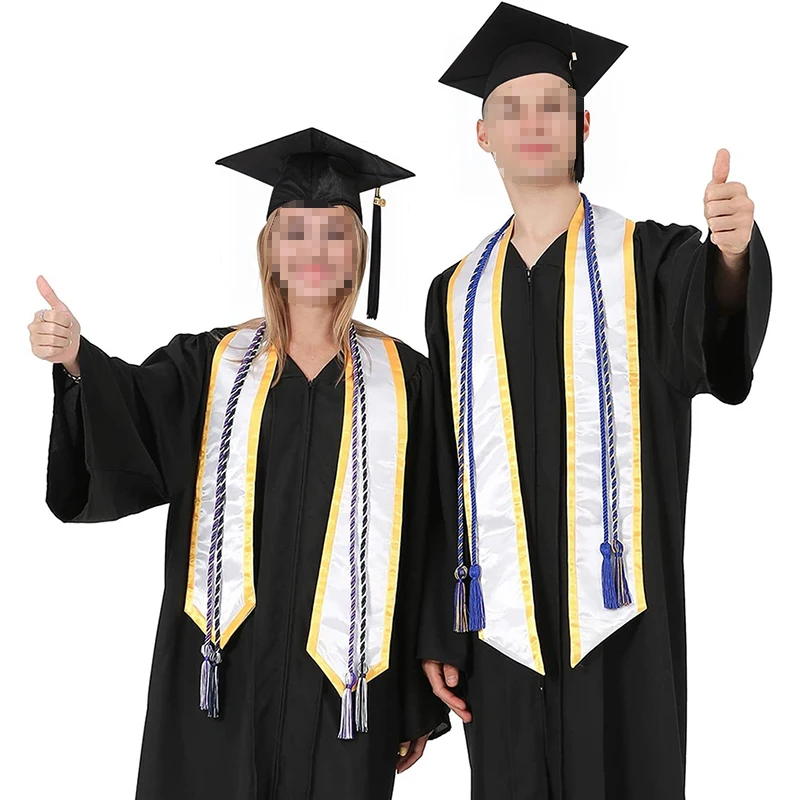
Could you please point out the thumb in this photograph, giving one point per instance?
(47, 292)
(450, 675)
(722, 166)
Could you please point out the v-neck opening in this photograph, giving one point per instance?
(319, 373)
(545, 257)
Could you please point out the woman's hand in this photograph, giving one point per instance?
(411, 752)
(441, 677)
(55, 333)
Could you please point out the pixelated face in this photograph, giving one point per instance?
(313, 254)
(529, 124)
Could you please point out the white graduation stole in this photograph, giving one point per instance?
(385, 396)
(508, 613)
(387, 423)
(238, 595)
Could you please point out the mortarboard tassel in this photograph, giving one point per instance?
(579, 157)
(477, 614)
(375, 257)
(579, 163)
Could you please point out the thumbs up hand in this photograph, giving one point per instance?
(728, 211)
(55, 333)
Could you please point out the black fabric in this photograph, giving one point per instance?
(316, 181)
(614, 727)
(527, 58)
(494, 55)
(315, 169)
(126, 439)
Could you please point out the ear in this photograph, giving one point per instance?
(483, 136)
(586, 122)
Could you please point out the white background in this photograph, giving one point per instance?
(114, 115)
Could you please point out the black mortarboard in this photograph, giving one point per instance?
(515, 42)
(320, 170)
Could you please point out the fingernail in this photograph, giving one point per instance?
(403, 750)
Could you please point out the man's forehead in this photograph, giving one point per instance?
(536, 85)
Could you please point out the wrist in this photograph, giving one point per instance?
(72, 369)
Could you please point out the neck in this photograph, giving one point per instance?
(542, 212)
(311, 327)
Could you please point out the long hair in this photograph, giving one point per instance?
(276, 310)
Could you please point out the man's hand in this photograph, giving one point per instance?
(411, 752)
(442, 677)
(729, 213)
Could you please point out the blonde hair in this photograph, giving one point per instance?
(276, 309)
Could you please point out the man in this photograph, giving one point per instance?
(567, 348)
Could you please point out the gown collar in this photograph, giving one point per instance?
(553, 255)
(330, 373)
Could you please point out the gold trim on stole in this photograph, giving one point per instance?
(569, 394)
(397, 522)
(633, 377)
(455, 382)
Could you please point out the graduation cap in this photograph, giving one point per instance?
(319, 171)
(514, 42)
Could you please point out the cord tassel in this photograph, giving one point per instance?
(460, 621)
(609, 585)
(477, 613)
(623, 595)
(209, 680)
(362, 718)
(346, 721)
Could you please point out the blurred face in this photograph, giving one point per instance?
(313, 253)
(529, 125)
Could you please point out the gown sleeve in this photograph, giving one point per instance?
(696, 347)
(437, 640)
(422, 711)
(124, 438)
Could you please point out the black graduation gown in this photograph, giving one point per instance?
(126, 439)
(614, 727)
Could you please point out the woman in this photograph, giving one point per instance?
(279, 444)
